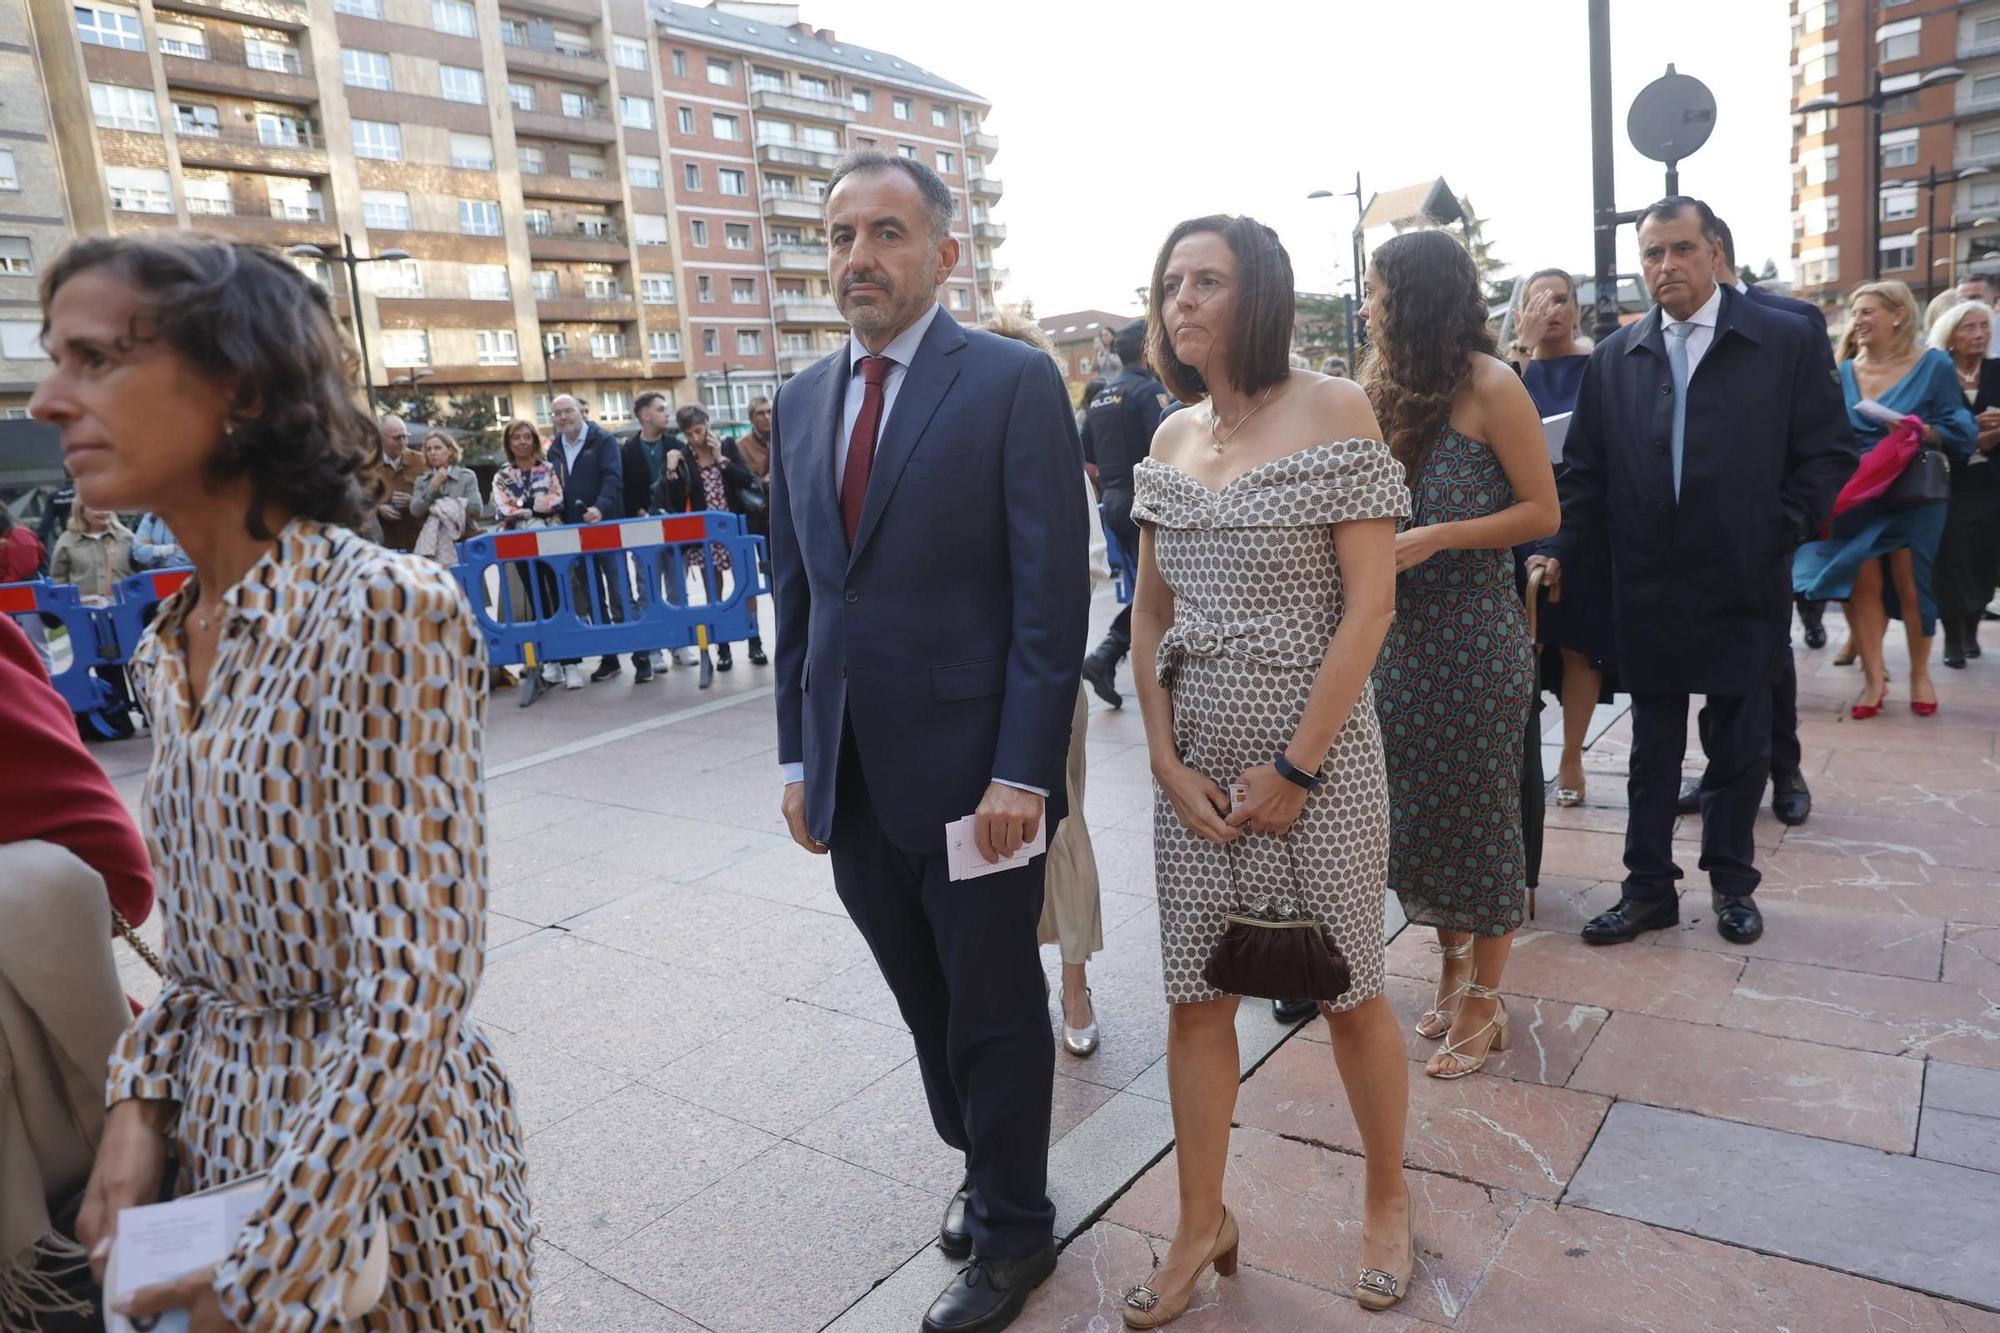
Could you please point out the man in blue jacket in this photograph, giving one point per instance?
(929, 568)
(586, 459)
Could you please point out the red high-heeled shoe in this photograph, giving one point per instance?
(1862, 712)
(1924, 707)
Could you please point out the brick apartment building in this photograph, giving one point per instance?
(594, 196)
(1076, 338)
(1947, 129)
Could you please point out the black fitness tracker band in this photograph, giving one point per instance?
(1295, 775)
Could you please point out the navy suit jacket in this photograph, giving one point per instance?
(598, 479)
(950, 638)
(1805, 310)
(1702, 584)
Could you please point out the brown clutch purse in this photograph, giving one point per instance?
(1277, 956)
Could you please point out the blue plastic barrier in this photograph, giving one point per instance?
(541, 567)
(1124, 564)
(89, 696)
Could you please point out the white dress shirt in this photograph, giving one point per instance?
(900, 351)
(1703, 333)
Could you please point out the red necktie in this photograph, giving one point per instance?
(861, 444)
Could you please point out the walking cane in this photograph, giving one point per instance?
(1533, 793)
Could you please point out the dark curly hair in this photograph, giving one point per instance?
(245, 318)
(1260, 333)
(1431, 318)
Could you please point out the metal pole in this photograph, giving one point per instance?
(1673, 179)
(1871, 175)
(348, 258)
(1354, 306)
(1603, 194)
(1930, 231)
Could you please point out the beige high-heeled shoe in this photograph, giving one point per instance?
(1458, 1063)
(1376, 1289)
(1147, 1308)
(1434, 1022)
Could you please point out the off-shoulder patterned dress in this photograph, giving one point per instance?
(1257, 598)
(318, 829)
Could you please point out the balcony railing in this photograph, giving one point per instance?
(803, 105)
(790, 207)
(785, 153)
(996, 232)
(806, 310)
(803, 258)
(792, 361)
(298, 139)
(211, 208)
(547, 45)
(576, 232)
(979, 141)
(290, 212)
(985, 187)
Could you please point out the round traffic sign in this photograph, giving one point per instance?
(1671, 117)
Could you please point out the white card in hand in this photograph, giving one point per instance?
(961, 850)
(159, 1242)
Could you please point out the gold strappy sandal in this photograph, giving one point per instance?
(1459, 1063)
(1436, 1021)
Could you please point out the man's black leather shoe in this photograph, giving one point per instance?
(1100, 671)
(642, 667)
(1811, 616)
(955, 1236)
(988, 1294)
(1630, 919)
(1293, 1011)
(607, 667)
(1736, 919)
(1791, 799)
(1689, 802)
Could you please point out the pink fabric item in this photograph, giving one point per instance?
(1881, 465)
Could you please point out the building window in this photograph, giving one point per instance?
(378, 139)
(454, 16)
(178, 39)
(110, 25)
(684, 117)
(596, 226)
(697, 232)
(1899, 149)
(479, 217)
(579, 106)
(399, 278)
(656, 288)
(1817, 64)
(1899, 205)
(1899, 253)
(1985, 87)
(725, 127)
(749, 342)
(816, 88)
(628, 52)
(731, 181)
(503, 406)
(117, 107)
(406, 347)
(615, 404)
(899, 107)
(691, 175)
(462, 85)
(650, 229)
(1819, 122)
(555, 344)
(664, 345)
(1820, 165)
(197, 120)
(364, 69)
(606, 346)
(16, 256)
(940, 117)
(743, 291)
(763, 79)
(643, 172)
(863, 100)
(472, 152)
(542, 282)
(636, 112)
(295, 200)
(139, 190)
(1898, 41)
(711, 342)
(1819, 217)
(736, 236)
(1817, 18)
(958, 299)
(947, 163)
(722, 73)
(21, 340)
(522, 95)
(532, 159)
(361, 9)
(388, 210)
(600, 283)
(908, 150)
(497, 347)
(1986, 30)
(9, 179)
(680, 64)
(585, 166)
(1985, 143)
(488, 282)
(704, 289)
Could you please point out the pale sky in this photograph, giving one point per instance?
(1118, 120)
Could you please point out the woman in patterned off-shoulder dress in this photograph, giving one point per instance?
(1265, 586)
(314, 812)
(1457, 676)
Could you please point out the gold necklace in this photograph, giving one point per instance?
(1215, 440)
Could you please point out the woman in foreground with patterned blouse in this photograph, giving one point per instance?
(314, 814)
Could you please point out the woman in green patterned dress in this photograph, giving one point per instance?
(1456, 676)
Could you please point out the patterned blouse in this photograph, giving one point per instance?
(318, 827)
(521, 494)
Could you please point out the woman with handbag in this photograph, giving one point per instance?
(703, 476)
(1266, 584)
(314, 813)
(527, 493)
(1885, 366)
(1968, 560)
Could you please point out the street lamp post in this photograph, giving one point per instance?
(1871, 229)
(353, 263)
(1929, 185)
(1354, 307)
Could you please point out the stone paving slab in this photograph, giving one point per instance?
(1914, 1223)
(1870, 1013)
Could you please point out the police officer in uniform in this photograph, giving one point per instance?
(1118, 432)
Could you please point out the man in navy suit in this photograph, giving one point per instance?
(1791, 798)
(1709, 440)
(586, 459)
(932, 603)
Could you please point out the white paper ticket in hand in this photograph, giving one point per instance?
(961, 850)
(160, 1242)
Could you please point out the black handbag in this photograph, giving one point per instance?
(1277, 953)
(1924, 480)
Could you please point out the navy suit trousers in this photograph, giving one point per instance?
(1736, 736)
(961, 959)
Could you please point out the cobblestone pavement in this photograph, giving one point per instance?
(727, 1131)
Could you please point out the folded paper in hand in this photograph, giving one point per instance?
(162, 1242)
(961, 849)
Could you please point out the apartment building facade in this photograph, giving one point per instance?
(1932, 176)
(513, 175)
(35, 220)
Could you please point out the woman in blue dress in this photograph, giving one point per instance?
(1883, 360)
(1550, 358)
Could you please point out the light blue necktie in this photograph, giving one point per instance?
(1677, 361)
